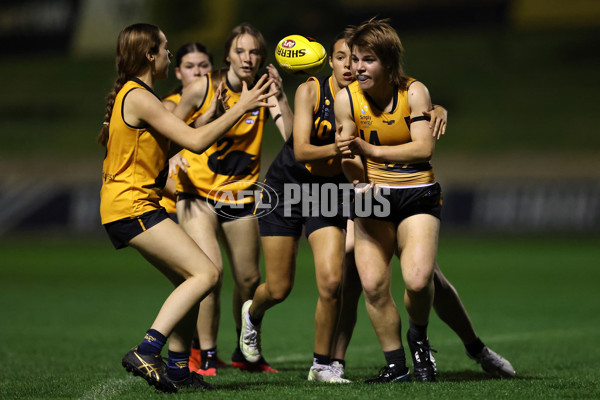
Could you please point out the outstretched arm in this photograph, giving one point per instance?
(142, 106)
(281, 111)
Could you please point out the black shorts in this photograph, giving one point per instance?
(225, 211)
(122, 231)
(173, 216)
(287, 217)
(402, 203)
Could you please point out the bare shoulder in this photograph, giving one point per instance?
(139, 99)
(418, 88)
(342, 100)
(139, 105)
(197, 88)
(307, 90)
(418, 98)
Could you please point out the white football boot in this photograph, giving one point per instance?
(326, 373)
(250, 336)
(494, 364)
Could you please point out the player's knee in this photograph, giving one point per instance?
(279, 292)
(249, 282)
(418, 284)
(213, 276)
(375, 291)
(329, 287)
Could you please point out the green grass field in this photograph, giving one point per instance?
(70, 309)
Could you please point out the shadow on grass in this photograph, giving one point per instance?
(450, 376)
(471, 376)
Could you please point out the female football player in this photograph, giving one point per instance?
(446, 302)
(389, 144)
(137, 133)
(192, 60)
(214, 204)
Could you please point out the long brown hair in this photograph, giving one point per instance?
(133, 43)
(246, 28)
(378, 36)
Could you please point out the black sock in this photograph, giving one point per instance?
(321, 359)
(475, 347)
(238, 331)
(343, 362)
(153, 342)
(196, 343)
(177, 366)
(212, 352)
(417, 332)
(395, 357)
(255, 321)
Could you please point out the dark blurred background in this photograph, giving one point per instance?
(519, 78)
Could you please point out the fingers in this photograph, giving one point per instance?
(363, 187)
(263, 85)
(437, 129)
(438, 126)
(256, 96)
(260, 82)
(273, 72)
(358, 146)
(224, 103)
(432, 118)
(344, 144)
(374, 187)
(178, 162)
(434, 123)
(345, 152)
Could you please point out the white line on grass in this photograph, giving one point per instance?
(107, 390)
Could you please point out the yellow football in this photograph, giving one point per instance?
(300, 54)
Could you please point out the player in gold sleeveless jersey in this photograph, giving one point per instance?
(413, 191)
(137, 133)
(388, 129)
(389, 149)
(192, 60)
(230, 166)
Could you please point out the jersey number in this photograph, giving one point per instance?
(323, 129)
